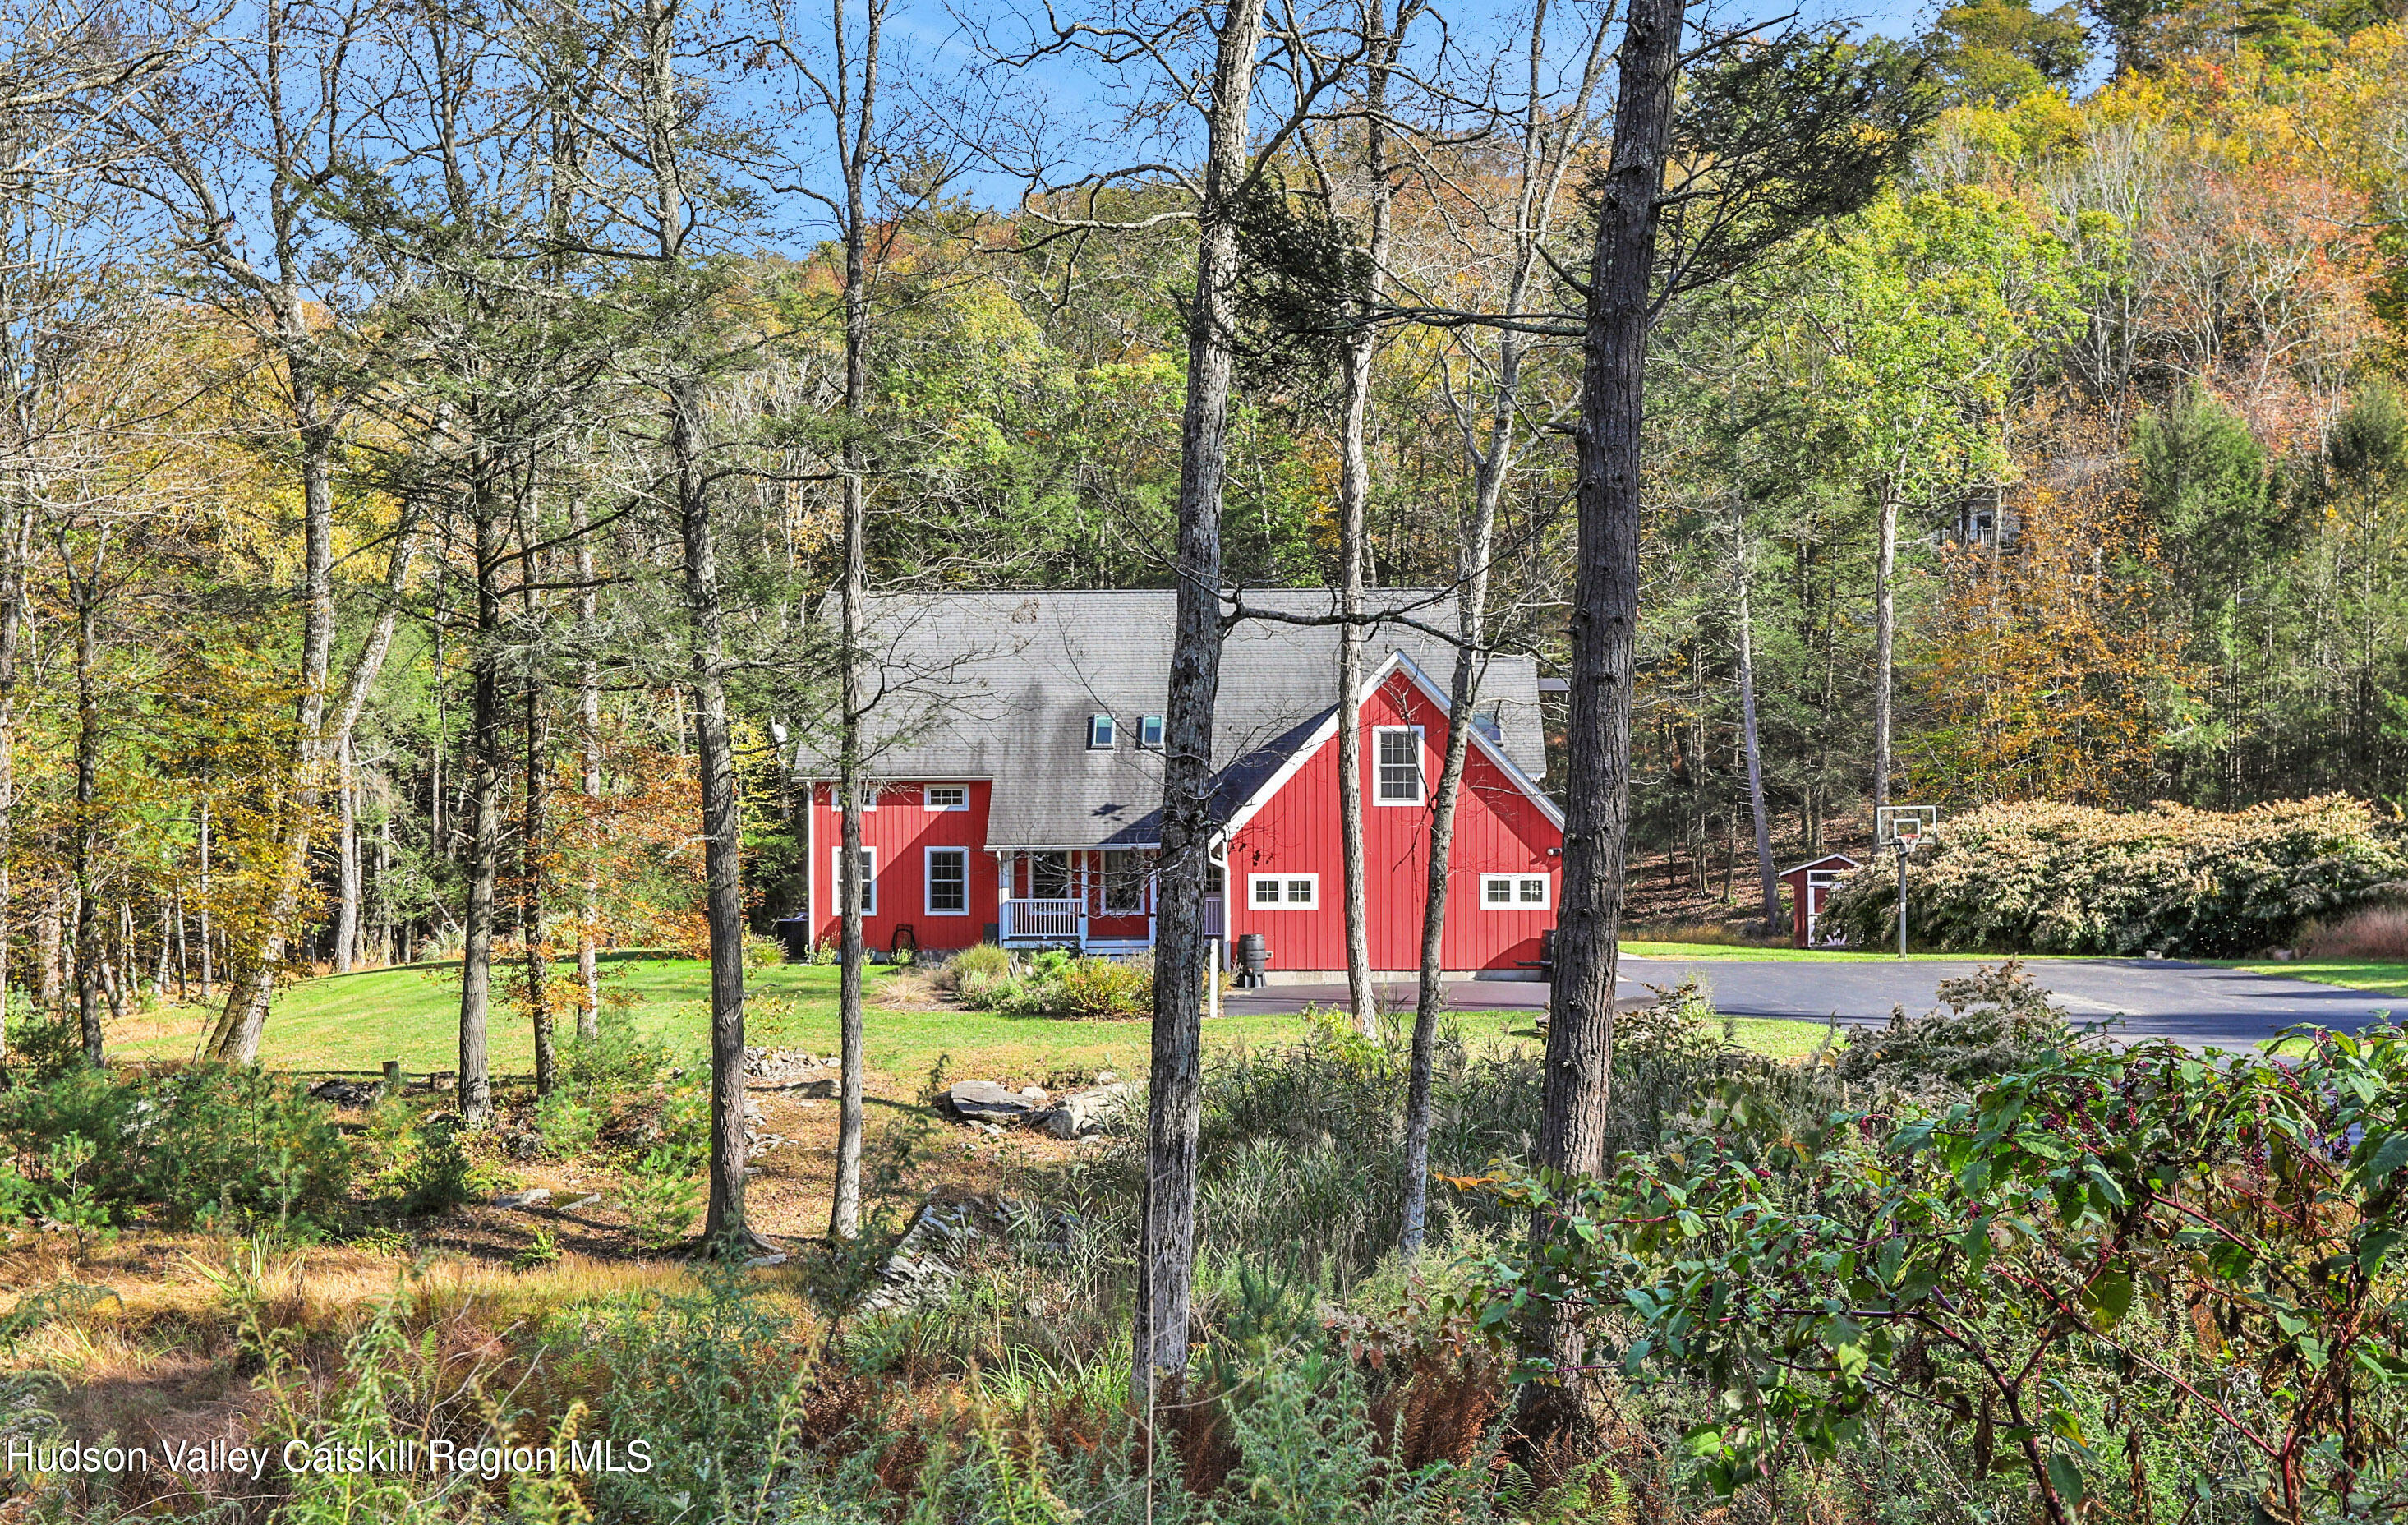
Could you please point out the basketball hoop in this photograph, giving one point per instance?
(1902, 828)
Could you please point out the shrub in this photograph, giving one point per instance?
(615, 1061)
(42, 1047)
(567, 1126)
(661, 1197)
(437, 1176)
(239, 1140)
(1108, 988)
(976, 976)
(763, 951)
(197, 1144)
(2050, 878)
(1998, 1022)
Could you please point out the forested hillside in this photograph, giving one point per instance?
(367, 387)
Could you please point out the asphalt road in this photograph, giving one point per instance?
(2198, 1005)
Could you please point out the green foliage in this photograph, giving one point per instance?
(42, 1046)
(1995, 1022)
(705, 1378)
(1056, 984)
(567, 1126)
(2048, 877)
(615, 1062)
(1999, 52)
(662, 1195)
(433, 1172)
(978, 975)
(2142, 1224)
(198, 1146)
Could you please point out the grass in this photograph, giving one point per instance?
(355, 1022)
(1781, 952)
(2384, 979)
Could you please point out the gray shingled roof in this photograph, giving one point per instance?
(1000, 687)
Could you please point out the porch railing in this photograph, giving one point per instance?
(1046, 921)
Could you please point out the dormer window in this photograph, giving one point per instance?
(1149, 732)
(1099, 733)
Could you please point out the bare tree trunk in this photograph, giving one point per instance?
(236, 1038)
(533, 845)
(1748, 738)
(725, 1226)
(347, 862)
(531, 871)
(1885, 639)
(208, 967)
(50, 931)
(844, 1216)
(1604, 621)
(16, 539)
(589, 745)
(87, 766)
(485, 813)
(1166, 1242)
(1354, 506)
(1547, 157)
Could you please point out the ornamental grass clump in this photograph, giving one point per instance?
(2068, 879)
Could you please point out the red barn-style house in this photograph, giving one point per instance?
(1016, 754)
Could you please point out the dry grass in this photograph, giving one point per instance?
(2377, 932)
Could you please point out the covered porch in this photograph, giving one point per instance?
(1099, 900)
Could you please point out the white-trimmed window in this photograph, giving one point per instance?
(949, 882)
(1149, 732)
(946, 797)
(1513, 891)
(1396, 765)
(869, 881)
(1099, 733)
(1284, 891)
(1124, 876)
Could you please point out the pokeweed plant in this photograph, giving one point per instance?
(2228, 1235)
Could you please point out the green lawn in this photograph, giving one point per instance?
(1781, 952)
(2353, 973)
(358, 1021)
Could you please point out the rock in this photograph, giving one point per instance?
(1108, 1077)
(924, 1260)
(1034, 1093)
(589, 1200)
(765, 1261)
(531, 1197)
(981, 1099)
(1082, 1113)
(781, 1069)
(346, 1093)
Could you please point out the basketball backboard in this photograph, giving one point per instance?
(1905, 825)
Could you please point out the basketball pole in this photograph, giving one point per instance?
(1902, 896)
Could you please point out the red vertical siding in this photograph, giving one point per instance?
(1498, 830)
(899, 831)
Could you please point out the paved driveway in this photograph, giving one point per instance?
(2198, 1004)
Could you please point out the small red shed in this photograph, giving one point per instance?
(1809, 887)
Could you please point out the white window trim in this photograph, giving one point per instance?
(926, 802)
(1160, 730)
(929, 881)
(869, 881)
(1111, 743)
(1282, 881)
(1104, 883)
(1514, 901)
(1421, 773)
